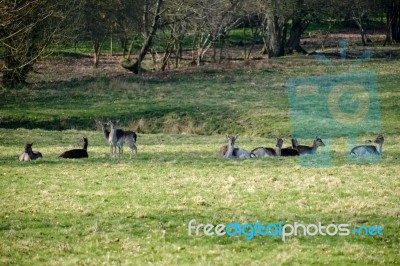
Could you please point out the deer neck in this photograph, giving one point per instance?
(30, 153)
(113, 134)
(294, 144)
(105, 132)
(85, 145)
(314, 146)
(379, 148)
(229, 152)
(278, 150)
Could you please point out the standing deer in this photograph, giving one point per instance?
(230, 151)
(370, 149)
(29, 154)
(116, 137)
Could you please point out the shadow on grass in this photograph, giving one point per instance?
(200, 159)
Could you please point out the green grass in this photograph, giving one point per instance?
(133, 212)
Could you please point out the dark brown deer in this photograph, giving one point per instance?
(77, 153)
(292, 150)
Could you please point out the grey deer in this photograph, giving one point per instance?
(106, 132)
(370, 149)
(302, 149)
(29, 154)
(117, 137)
(230, 151)
(266, 152)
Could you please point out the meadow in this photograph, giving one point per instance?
(99, 211)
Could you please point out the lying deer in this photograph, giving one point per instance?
(309, 149)
(279, 151)
(230, 151)
(265, 152)
(29, 154)
(370, 149)
(77, 153)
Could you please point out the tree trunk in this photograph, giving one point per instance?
(178, 54)
(202, 46)
(254, 33)
(135, 67)
(395, 31)
(276, 32)
(194, 43)
(297, 29)
(97, 42)
(221, 48)
(389, 22)
(362, 31)
(123, 38)
(214, 53)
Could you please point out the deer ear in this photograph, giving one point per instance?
(236, 136)
(227, 136)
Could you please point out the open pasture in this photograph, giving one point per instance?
(99, 211)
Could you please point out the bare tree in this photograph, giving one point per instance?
(211, 22)
(97, 19)
(359, 12)
(27, 29)
(151, 22)
(174, 27)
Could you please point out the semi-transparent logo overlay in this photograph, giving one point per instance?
(341, 104)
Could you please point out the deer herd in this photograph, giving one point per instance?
(117, 137)
(231, 151)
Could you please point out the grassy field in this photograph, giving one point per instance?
(133, 212)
